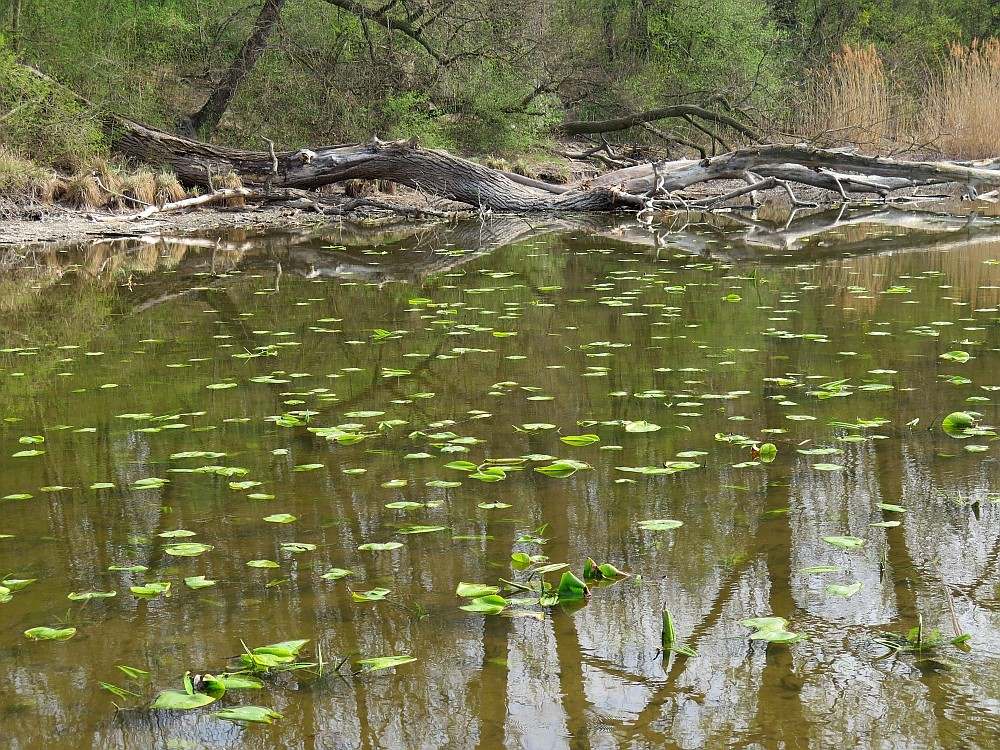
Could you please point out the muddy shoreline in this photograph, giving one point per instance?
(43, 224)
(63, 225)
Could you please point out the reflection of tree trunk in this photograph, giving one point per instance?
(779, 708)
(574, 698)
(206, 119)
(491, 687)
(905, 577)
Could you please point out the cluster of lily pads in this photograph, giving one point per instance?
(249, 671)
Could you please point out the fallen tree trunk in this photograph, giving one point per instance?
(442, 174)
(403, 162)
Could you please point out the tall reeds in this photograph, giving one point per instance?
(962, 111)
(847, 101)
(954, 108)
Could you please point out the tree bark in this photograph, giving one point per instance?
(448, 176)
(206, 120)
(15, 24)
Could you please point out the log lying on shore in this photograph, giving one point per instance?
(650, 186)
(644, 187)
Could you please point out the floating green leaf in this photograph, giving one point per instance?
(335, 574)
(151, 589)
(373, 595)
(956, 356)
(475, 590)
(419, 529)
(957, 424)
(562, 468)
(771, 629)
(49, 634)
(580, 440)
(86, 596)
(660, 524)
(297, 547)
(572, 588)
(198, 582)
(179, 700)
(187, 549)
(845, 591)
(255, 714)
(845, 542)
(379, 546)
(641, 426)
(376, 663)
(491, 604)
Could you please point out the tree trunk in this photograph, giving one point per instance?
(206, 120)
(15, 24)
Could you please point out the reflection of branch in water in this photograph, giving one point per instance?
(417, 252)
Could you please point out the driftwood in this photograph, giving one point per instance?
(200, 200)
(645, 186)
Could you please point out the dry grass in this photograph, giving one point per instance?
(854, 100)
(82, 192)
(231, 180)
(108, 175)
(848, 101)
(23, 180)
(140, 187)
(168, 188)
(963, 102)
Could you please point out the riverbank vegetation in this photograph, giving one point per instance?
(501, 82)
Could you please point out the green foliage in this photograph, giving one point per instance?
(410, 115)
(731, 46)
(42, 123)
(479, 79)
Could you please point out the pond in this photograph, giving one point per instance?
(330, 435)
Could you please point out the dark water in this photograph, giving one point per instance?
(452, 340)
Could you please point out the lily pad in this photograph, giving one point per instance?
(179, 700)
(253, 714)
(49, 634)
(845, 542)
(660, 524)
(375, 663)
(187, 549)
(379, 546)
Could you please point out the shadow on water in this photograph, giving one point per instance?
(708, 326)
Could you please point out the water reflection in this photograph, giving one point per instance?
(160, 318)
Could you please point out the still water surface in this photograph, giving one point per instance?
(478, 343)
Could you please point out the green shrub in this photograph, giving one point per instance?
(410, 115)
(42, 122)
